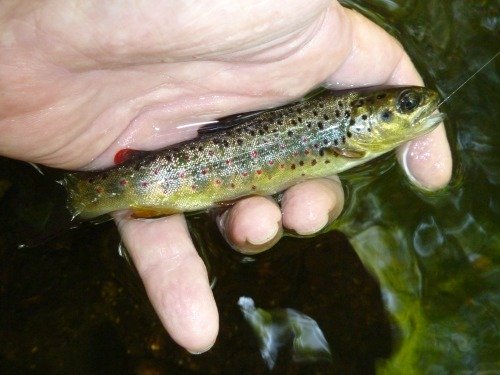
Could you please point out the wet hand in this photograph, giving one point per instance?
(83, 80)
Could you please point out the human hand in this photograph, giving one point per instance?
(80, 81)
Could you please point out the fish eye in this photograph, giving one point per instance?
(408, 100)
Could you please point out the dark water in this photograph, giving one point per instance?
(74, 306)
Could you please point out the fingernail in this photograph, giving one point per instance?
(197, 352)
(403, 161)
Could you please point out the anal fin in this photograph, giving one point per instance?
(145, 213)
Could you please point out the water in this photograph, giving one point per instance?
(74, 304)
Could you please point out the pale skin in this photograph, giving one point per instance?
(81, 80)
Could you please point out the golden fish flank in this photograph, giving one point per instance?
(260, 153)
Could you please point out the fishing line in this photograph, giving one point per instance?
(468, 79)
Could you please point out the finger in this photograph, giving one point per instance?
(175, 278)
(377, 58)
(252, 225)
(427, 160)
(309, 206)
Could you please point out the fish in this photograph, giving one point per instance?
(258, 153)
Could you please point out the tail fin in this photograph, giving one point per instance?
(32, 206)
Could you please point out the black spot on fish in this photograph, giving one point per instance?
(360, 103)
(321, 152)
(325, 141)
(290, 133)
(252, 133)
(386, 115)
(309, 125)
(299, 119)
(168, 158)
(315, 113)
(381, 96)
(301, 163)
(216, 141)
(280, 122)
(292, 166)
(266, 127)
(336, 142)
(299, 111)
(327, 161)
(294, 122)
(320, 125)
(347, 114)
(337, 113)
(349, 134)
(261, 132)
(313, 162)
(369, 129)
(325, 116)
(239, 141)
(275, 130)
(200, 148)
(343, 139)
(321, 105)
(364, 117)
(225, 143)
(352, 122)
(340, 104)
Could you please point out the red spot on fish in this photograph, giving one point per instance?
(99, 189)
(259, 171)
(253, 154)
(156, 171)
(125, 154)
(271, 162)
(144, 184)
(203, 171)
(282, 146)
(217, 182)
(123, 182)
(245, 174)
(229, 161)
(182, 175)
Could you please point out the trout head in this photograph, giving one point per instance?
(381, 120)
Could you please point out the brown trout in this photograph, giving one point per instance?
(260, 153)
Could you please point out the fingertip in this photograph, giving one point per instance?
(252, 225)
(427, 160)
(310, 206)
(187, 309)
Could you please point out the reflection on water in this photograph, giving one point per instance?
(276, 328)
(75, 304)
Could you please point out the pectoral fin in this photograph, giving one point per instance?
(345, 152)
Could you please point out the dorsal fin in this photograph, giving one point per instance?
(227, 122)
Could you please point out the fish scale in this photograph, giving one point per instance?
(258, 154)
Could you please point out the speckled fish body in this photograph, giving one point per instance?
(258, 154)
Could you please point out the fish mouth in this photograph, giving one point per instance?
(430, 122)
